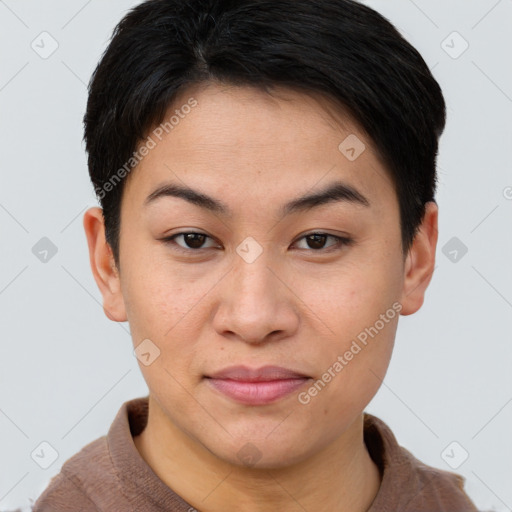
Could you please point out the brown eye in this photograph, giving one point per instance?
(317, 241)
(191, 241)
(194, 240)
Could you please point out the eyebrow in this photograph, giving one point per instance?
(337, 191)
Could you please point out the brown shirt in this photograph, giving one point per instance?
(109, 475)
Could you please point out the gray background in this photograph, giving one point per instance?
(65, 369)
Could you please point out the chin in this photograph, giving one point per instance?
(261, 453)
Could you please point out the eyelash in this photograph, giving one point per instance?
(341, 242)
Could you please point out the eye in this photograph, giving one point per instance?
(193, 241)
(317, 241)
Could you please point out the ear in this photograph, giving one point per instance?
(103, 265)
(420, 262)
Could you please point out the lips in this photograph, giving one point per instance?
(256, 386)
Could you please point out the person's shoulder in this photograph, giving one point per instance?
(423, 488)
(70, 489)
(438, 487)
(100, 476)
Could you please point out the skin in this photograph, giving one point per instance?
(296, 305)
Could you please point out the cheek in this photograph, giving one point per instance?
(165, 306)
(358, 311)
(159, 297)
(352, 376)
(350, 299)
(162, 310)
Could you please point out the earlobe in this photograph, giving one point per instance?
(420, 262)
(103, 265)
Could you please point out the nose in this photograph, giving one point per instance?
(256, 303)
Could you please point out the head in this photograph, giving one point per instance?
(207, 124)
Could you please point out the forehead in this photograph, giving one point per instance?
(246, 141)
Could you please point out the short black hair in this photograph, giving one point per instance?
(342, 49)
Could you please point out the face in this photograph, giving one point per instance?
(227, 289)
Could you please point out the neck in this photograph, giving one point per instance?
(342, 477)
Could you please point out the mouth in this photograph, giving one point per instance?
(258, 386)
